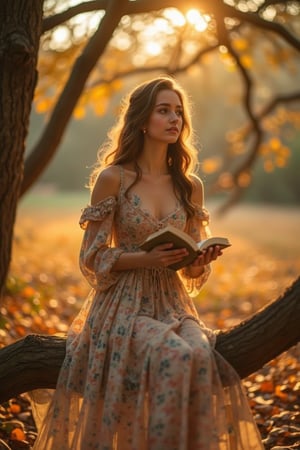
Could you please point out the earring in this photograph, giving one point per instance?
(144, 130)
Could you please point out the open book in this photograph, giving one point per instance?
(180, 239)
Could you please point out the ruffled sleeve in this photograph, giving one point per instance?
(198, 228)
(97, 255)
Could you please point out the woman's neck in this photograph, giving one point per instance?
(154, 162)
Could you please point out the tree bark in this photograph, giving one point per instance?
(20, 29)
(34, 361)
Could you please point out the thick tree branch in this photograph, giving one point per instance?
(283, 314)
(34, 362)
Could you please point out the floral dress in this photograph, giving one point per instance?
(141, 371)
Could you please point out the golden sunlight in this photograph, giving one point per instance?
(192, 16)
(175, 17)
(154, 36)
(195, 18)
(153, 48)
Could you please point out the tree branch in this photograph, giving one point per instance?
(248, 92)
(255, 19)
(84, 7)
(161, 68)
(267, 3)
(238, 191)
(288, 98)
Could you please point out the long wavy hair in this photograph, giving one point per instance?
(126, 138)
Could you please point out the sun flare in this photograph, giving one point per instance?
(198, 20)
(154, 36)
(192, 16)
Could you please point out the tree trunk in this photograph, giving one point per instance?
(20, 29)
(34, 362)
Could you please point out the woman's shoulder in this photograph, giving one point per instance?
(196, 181)
(198, 189)
(106, 185)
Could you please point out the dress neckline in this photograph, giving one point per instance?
(148, 214)
(138, 205)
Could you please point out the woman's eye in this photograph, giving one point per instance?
(165, 111)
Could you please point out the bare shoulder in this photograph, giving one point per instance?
(106, 185)
(198, 190)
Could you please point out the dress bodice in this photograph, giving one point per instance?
(133, 223)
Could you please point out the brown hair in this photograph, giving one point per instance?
(126, 139)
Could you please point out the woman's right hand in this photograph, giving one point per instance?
(160, 256)
(163, 255)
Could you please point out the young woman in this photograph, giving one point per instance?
(141, 371)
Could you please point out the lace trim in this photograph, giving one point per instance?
(97, 212)
(203, 214)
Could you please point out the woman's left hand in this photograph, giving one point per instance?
(207, 256)
(197, 268)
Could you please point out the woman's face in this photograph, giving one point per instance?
(166, 120)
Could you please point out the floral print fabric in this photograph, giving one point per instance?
(140, 371)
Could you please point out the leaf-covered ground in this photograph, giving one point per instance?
(45, 290)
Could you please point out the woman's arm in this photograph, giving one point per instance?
(197, 268)
(160, 256)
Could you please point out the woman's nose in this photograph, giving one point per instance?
(174, 117)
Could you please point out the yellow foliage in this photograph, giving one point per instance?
(238, 148)
(294, 118)
(275, 144)
(280, 161)
(210, 165)
(228, 60)
(116, 85)
(244, 179)
(225, 180)
(275, 154)
(263, 149)
(100, 107)
(240, 44)
(268, 165)
(284, 152)
(79, 112)
(43, 105)
(99, 91)
(28, 292)
(246, 61)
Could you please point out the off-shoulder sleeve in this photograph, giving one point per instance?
(198, 228)
(97, 255)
